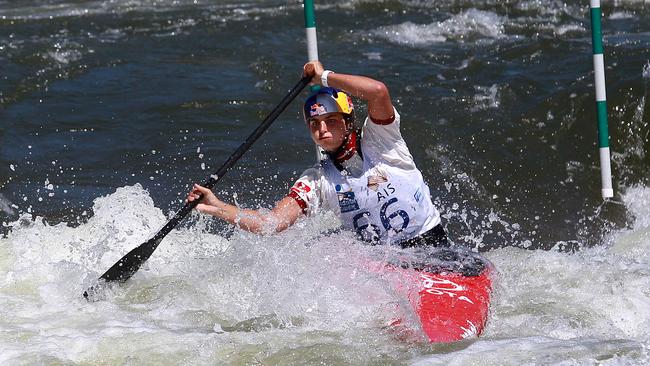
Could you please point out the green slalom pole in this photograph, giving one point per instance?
(312, 48)
(601, 100)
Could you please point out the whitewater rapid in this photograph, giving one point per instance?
(497, 99)
(204, 297)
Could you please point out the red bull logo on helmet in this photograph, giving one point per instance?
(327, 100)
(317, 109)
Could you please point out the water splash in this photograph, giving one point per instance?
(196, 281)
(267, 294)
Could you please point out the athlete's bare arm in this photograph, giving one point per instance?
(380, 107)
(284, 214)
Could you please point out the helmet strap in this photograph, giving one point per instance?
(350, 147)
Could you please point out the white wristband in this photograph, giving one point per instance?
(323, 77)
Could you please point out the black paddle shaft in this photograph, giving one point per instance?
(131, 262)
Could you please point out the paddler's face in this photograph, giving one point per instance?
(328, 130)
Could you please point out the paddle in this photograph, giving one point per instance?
(131, 262)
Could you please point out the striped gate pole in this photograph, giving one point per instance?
(601, 100)
(312, 48)
(310, 30)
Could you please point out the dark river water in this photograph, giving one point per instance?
(110, 110)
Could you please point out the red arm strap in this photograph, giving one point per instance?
(383, 122)
(299, 201)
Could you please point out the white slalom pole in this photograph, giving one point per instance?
(310, 30)
(601, 100)
(312, 48)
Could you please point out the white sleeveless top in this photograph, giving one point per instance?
(386, 202)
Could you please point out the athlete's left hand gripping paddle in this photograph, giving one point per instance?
(131, 262)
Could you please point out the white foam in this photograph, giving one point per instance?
(223, 11)
(634, 244)
(553, 8)
(467, 26)
(205, 298)
(541, 350)
(66, 52)
(637, 200)
(486, 98)
(6, 205)
(569, 28)
(621, 15)
(596, 297)
(595, 293)
(646, 70)
(195, 282)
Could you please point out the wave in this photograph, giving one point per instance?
(35, 10)
(469, 25)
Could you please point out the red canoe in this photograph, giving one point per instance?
(449, 292)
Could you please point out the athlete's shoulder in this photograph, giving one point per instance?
(385, 143)
(310, 189)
